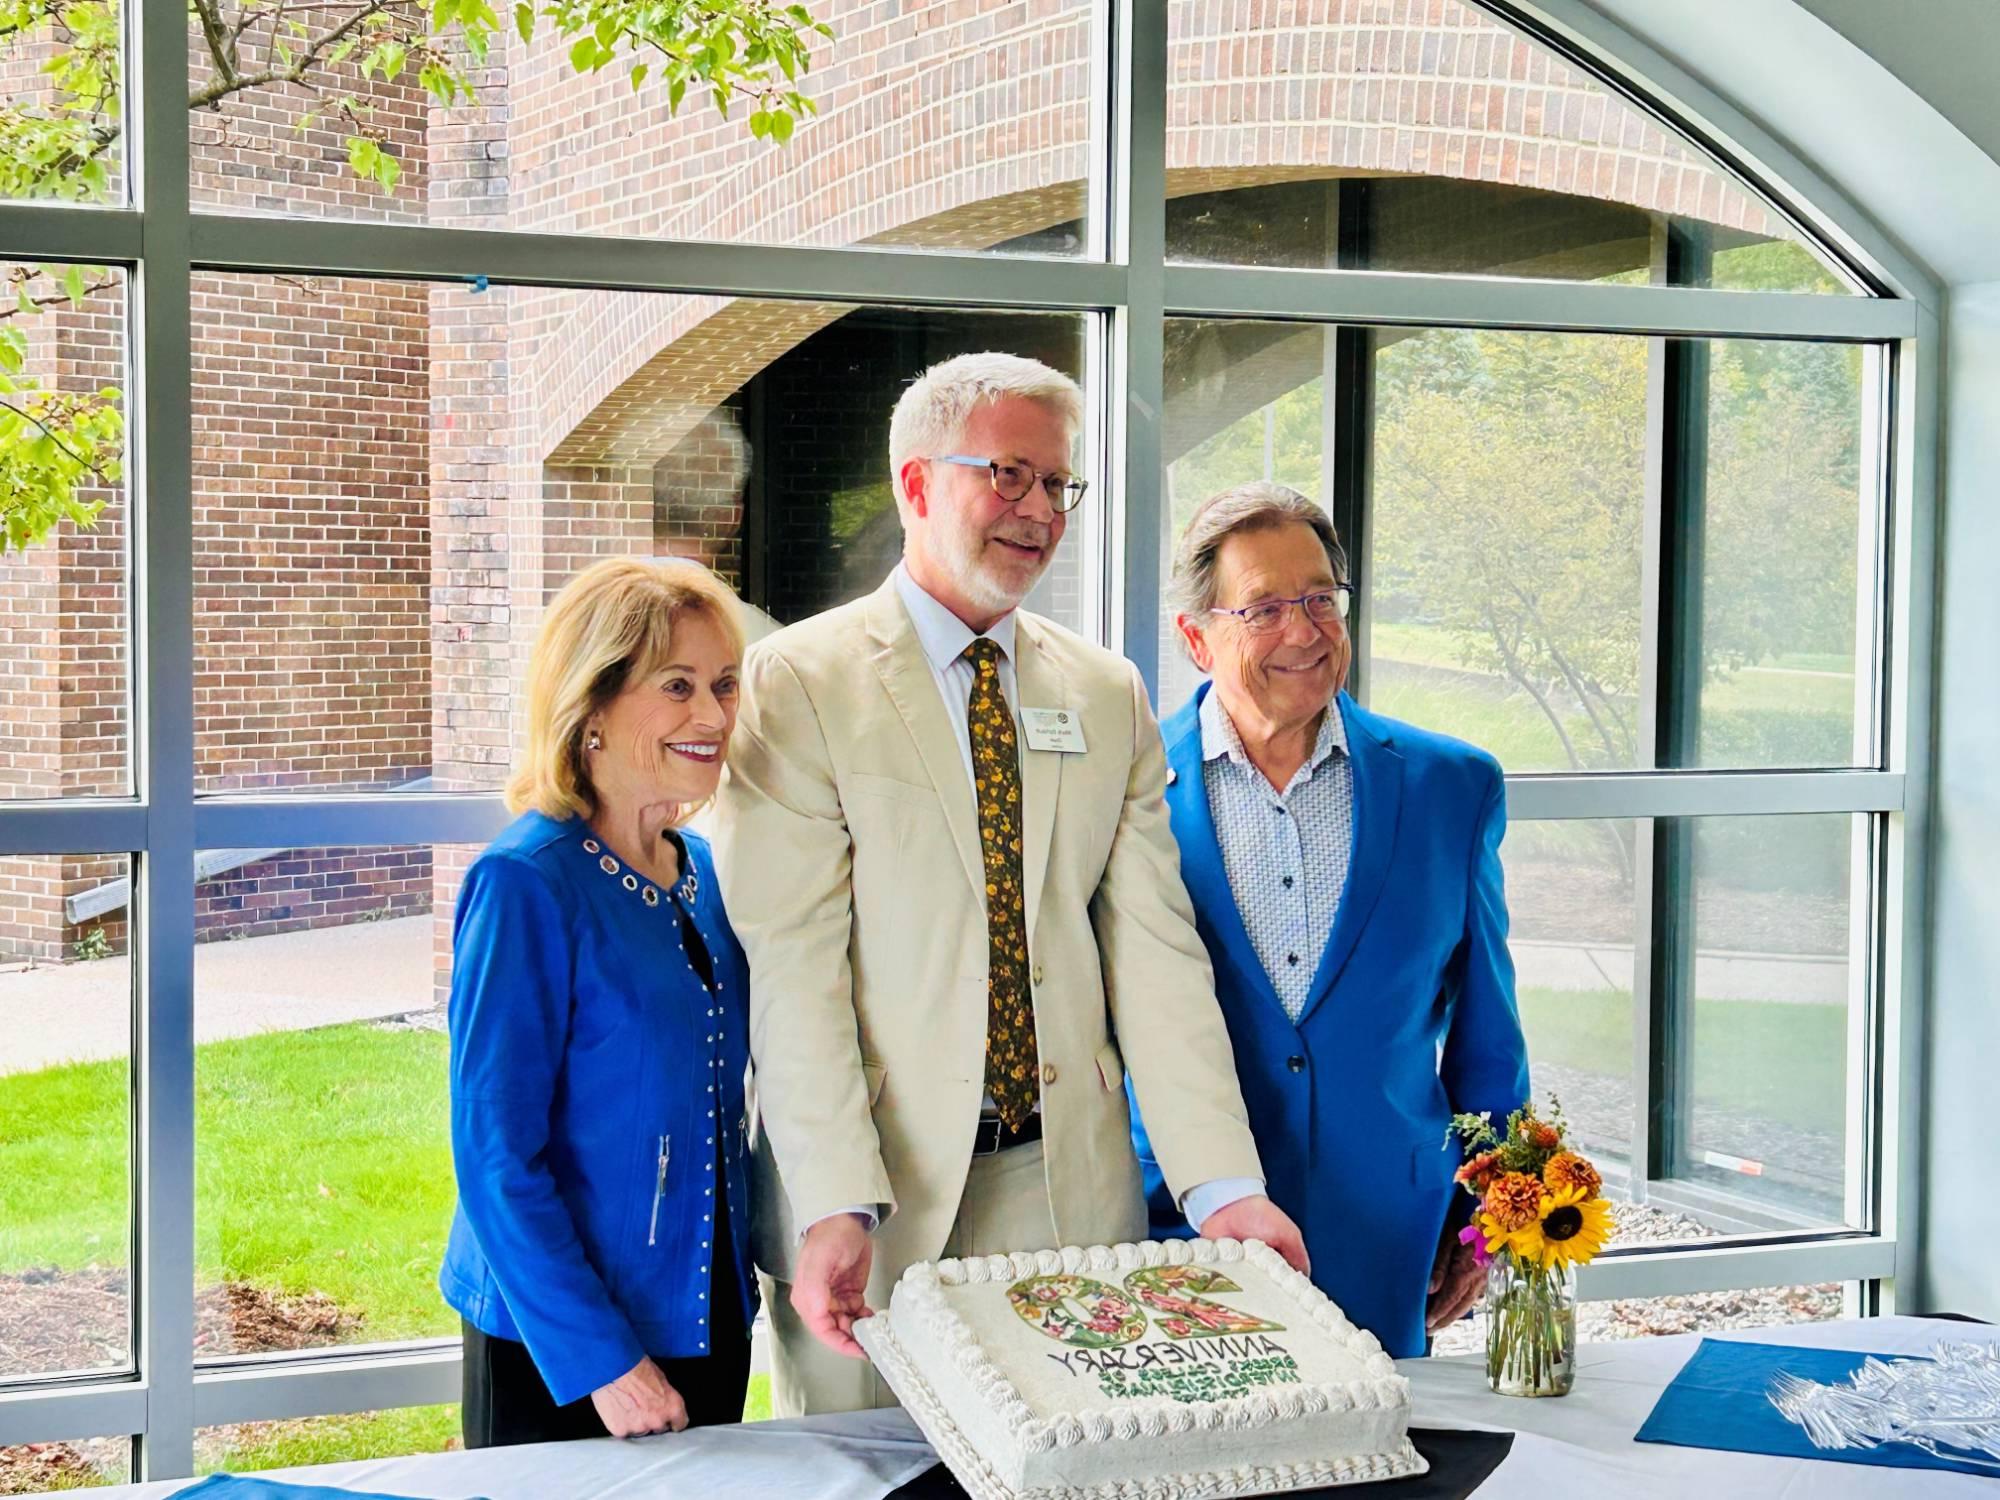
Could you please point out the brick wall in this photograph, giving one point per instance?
(392, 480)
(312, 545)
(313, 888)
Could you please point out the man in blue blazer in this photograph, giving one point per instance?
(1345, 873)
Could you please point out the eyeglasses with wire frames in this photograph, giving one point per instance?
(1322, 607)
(1012, 482)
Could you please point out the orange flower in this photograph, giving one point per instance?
(1568, 1170)
(1514, 1200)
(1479, 1173)
(1543, 1136)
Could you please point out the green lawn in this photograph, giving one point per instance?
(328, 1440)
(1779, 1062)
(1791, 709)
(322, 1163)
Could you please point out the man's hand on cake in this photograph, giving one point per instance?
(830, 1289)
(639, 1402)
(1456, 1281)
(1258, 1218)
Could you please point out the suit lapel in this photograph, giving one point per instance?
(1038, 683)
(1202, 870)
(899, 660)
(1378, 806)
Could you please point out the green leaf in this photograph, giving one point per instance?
(639, 73)
(583, 55)
(676, 91)
(760, 124)
(524, 21)
(73, 285)
(781, 128)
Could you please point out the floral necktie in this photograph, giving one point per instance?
(996, 779)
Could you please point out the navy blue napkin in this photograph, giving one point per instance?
(1720, 1399)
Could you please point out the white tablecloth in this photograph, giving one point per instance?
(1580, 1445)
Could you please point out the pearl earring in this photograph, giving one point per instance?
(593, 741)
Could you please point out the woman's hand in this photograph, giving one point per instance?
(640, 1402)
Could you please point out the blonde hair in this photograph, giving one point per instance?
(612, 622)
(930, 416)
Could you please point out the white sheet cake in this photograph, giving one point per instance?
(1189, 1368)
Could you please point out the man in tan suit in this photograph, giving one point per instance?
(943, 843)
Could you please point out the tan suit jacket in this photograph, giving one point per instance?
(848, 848)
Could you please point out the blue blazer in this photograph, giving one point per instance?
(1410, 1019)
(582, 1043)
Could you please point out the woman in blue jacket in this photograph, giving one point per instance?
(600, 1253)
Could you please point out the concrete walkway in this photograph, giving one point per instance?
(82, 1012)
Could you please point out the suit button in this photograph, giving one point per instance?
(1048, 1072)
(1296, 1063)
(1035, 976)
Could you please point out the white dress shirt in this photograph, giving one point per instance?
(944, 638)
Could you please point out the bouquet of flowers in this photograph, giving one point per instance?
(1540, 1215)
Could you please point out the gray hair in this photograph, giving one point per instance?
(931, 415)
(1258, 506)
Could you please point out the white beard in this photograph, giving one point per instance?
(973, 582)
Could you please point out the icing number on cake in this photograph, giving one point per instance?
(1077, 1310)
(1105, 1326)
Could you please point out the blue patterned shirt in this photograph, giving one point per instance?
(1286, 853)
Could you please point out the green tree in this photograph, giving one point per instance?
(62, 143)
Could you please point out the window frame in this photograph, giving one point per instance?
(1132, 289)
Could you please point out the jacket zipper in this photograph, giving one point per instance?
(659, 1189)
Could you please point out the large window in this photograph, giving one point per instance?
(414, 320)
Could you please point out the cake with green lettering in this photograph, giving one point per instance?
(1190, 1368)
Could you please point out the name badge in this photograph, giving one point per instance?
(1056, 729)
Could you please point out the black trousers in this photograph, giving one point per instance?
(506, 1400)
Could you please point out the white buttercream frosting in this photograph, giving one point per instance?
(1016, 1420)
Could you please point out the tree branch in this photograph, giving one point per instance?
(221, 47)
(13, 310)
(55, 437)
(221, 89)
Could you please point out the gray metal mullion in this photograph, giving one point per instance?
(1909, 838)
(1674, 794)
(226, 242)
(96, 236)
(1432, 301)
(327, 1383)
(318, 822)
(163, 666)
(55, 1413)
(1674, 1270)
(62, 827)
(1139, 366)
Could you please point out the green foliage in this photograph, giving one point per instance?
(54, 444)
(59, 141)
(92, 945)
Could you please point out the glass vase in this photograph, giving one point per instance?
(1530, 1328)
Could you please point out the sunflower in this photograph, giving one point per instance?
(1566, 1169)
(1570, 1230)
